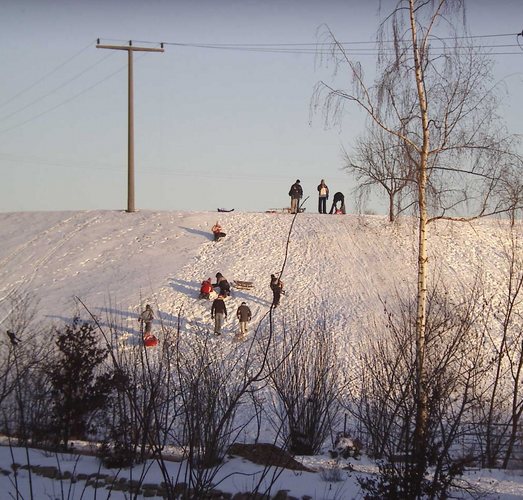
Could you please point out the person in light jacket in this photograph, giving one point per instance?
(146, 320)
(323, 196)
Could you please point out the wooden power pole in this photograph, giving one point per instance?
(130, 132)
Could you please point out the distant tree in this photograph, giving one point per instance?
(380, 160)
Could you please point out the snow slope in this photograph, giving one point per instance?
(340, 267)
(346, 265)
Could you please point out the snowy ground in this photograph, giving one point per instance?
(345, 267)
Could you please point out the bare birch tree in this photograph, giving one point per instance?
(434, 92)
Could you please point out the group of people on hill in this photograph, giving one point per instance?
(218, 307)
(219, 314)
(296, 194)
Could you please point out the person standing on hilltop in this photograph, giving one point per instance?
(338, 198)
(323, 196)
(296, 193)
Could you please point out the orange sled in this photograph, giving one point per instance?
(150, 341)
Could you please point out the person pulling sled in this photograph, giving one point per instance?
(146, 323)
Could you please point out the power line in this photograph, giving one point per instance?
(310, 44)
(329, 48)
(62, 85)
(54, 70)
(63, 102)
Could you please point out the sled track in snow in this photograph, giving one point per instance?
(26, 279)
(20, 248)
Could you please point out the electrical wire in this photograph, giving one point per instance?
(8, 129)
(54, 70)
(62, 85)
(306, 48)
(328, 48)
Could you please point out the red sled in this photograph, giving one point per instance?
(150, 341)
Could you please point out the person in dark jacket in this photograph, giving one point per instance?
(338, 198)
(218, 313)
(223, 284)
(296, 192)
(244, 316)
(277, 289)
(323, 196)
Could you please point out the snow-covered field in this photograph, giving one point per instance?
(345, 267)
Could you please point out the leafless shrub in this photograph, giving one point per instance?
(24, 386)
(385, 401)
(307, 384)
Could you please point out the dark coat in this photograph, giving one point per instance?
(218, 306)
(296, 191)
(224, 285)
(243, 313)
(276, 284)
(338, 197)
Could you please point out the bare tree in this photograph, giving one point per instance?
(434, 92)
(384, 400)
(498, 416)
(380, 160)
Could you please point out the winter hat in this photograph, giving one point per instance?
(244, 304)
(218, 275)
(298, 181)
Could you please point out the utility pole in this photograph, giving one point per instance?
(130, 128)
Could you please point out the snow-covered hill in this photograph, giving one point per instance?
(343, 268)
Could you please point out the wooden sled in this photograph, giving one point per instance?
(243, 285)
(285, 210)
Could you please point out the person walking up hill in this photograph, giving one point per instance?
(244, 316)
(218, 313)
(146, 320)
(277, 289)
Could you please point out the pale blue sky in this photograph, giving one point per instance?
(213, 128)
